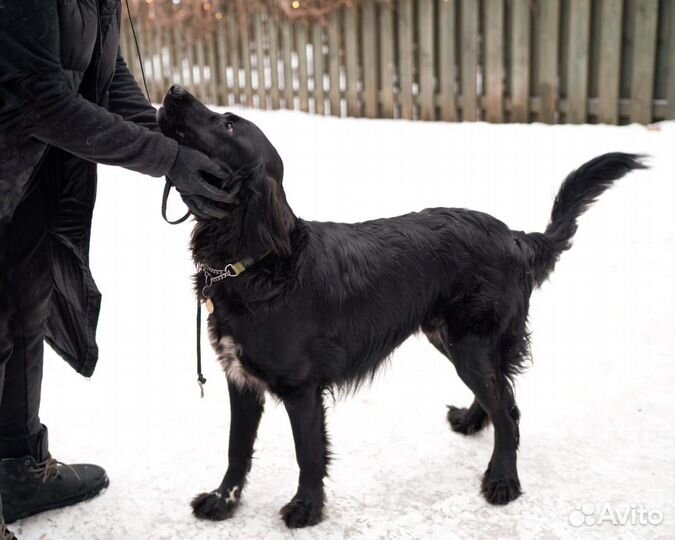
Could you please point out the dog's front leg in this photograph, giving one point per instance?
(306, 412)
(246, 406)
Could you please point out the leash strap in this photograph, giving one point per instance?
(165, 200)
(200, 376)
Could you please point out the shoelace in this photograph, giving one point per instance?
(4, 533)
(49, 469)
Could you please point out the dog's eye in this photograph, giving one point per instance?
(229, 126)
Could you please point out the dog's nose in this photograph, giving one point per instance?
(177, 90)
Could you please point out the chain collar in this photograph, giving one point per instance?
(214, 275)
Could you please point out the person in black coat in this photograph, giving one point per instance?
(67, 102)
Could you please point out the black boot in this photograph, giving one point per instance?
(4, 533)
(29, 486)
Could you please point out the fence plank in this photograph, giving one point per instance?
(670, 51)
(369, 51)
(494, 60)
(426, 59)
(146, 54)
(234, 50)
(274, 60)
(300, 29)
(201, 62)
(547, 59)
(644, 54)
(577, 61)
(260, 60)
(469, 60)
(317, 53)
(446, 59)
(287, 45)
(244, 24)
(334, 62)
(609, 58)
(212, 63)
(221, 52)
(386, 18)
(351, 60)
(520, 61)
(405, 54)
(158, 58)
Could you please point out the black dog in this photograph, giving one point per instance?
(303, 307)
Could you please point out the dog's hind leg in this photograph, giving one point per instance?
(306, 412)
(478, 364)
(467, 421)
(246, 406)
(462, 420)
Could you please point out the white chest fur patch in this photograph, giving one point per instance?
(229, 354)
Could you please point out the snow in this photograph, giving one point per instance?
(598, 404)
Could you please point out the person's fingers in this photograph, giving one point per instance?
(204, 189)
(203, 208)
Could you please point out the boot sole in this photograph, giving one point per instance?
(11, 518)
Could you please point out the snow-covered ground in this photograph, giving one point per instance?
(598, 404)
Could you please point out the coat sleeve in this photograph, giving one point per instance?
(127, 99)
(35, 95)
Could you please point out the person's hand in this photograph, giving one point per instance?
(189, 175)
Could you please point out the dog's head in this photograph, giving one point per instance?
(230, 140)
(256, 169)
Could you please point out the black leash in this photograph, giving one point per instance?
(200, 376)
(165, 198)
(138, 51)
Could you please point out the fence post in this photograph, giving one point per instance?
(386, 17)
(334, 62)
(644, 59)
(425, 63)
(274, 59)
(369, 61)
(405, 48)
(260, 59)
(520, 61)
(234, 50)
(494, 60)
(447, 59)
(577, 61)
(351, 60)
(301, 50)
(287, 44)
(547, 59)
(670, 51)
(317, 53)
(469, 32)
(609, 58)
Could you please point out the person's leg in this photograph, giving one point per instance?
(29, 285)
(6, 344)
(30, 480)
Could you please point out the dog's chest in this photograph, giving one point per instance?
(229, 353)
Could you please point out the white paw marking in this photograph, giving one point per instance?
(232, 495)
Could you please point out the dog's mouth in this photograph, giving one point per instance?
(171, 123)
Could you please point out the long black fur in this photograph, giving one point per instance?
(326, 303)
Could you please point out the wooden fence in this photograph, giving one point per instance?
(553, 61)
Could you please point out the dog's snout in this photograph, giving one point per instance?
(177, 90)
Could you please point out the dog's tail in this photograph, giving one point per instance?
(579, 190)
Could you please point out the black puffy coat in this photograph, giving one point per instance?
(64, 83)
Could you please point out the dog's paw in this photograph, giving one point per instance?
(462, 422)
(302, 512)
(216, 506)
(500, 491)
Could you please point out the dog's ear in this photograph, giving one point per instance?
(268, 219)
